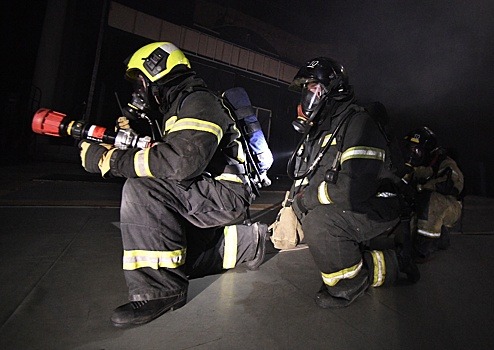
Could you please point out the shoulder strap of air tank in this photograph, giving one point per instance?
(188, 91)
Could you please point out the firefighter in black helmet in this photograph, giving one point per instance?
(183, 195)
(340, 195)
(438, 182)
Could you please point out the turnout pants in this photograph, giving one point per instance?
(435, 210)
(334, 236)
(170, 233)
(435, 214)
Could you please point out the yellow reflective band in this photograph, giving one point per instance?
(141, 163)
(198, 124)
(170, 122)
(379, 268)
(326, 140)
(428, 233)
(229, 177)
(230, 253)
(414, 139)
(332, 278)
(322, 194)
(363, 153)
(69, 127)
(136, 259)
(241, 152)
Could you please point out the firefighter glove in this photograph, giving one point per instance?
(95, 157)
(286, 230)
(123, 123)
(265, 180)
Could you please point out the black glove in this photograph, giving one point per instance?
(95, 157)
(407, 195)
(447, 187)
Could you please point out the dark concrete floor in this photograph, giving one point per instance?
(60, 252)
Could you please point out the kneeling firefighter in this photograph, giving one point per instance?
(185, 198)
(341, 195)
(438, 182)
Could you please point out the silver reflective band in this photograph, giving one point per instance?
(429, 234)
(385, 194)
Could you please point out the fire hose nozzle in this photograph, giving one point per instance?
(48, 122)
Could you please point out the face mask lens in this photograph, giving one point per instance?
(140, 86)
(312, 94)
(415, 155)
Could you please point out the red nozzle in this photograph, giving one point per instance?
(47, 122)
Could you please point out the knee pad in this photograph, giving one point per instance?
(382, 266)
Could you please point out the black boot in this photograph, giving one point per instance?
(262, 237)
(327, 301)
(409, 268)
(341, 296)
(423, 249)
(444, 241)
(407, 265)
(141, 312)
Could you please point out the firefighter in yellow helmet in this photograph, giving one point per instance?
(438, 182)
(183, 195)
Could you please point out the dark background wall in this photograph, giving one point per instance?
(429, 62)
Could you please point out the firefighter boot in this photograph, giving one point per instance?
(140, 312)
(262, 237)
(444, 241)
(342, 297)
(423, 249)
(407, 266)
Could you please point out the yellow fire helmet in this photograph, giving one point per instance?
(155, 61)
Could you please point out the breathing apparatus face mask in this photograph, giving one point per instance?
(144, 108)
(415, 155)
(142, 102)
(312, 99)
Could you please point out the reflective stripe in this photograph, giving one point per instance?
(229, 177)
(300, 182)
(241, 156)
(230, 253)
(69, 128)
(170, 122)
(198, 124)
(136, 259)
(379, 268)
(363, 153)
(141, 163)
(326, 139)
(428, 233)
(322, 194)
(385, 194)
(332, 278)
